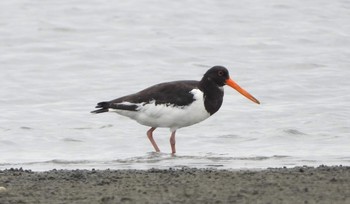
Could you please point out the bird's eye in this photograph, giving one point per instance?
(220, 73)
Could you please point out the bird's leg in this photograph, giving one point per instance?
(172, 142)
(150, 137)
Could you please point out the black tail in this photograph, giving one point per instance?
(103, 107)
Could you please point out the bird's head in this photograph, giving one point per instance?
(220, 76)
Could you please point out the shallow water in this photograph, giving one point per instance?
(59, 59)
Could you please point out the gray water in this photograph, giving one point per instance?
(59, 58)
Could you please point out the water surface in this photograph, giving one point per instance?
(58, 59)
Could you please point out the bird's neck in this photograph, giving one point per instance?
(213, 95)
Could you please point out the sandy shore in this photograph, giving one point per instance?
(297, 185)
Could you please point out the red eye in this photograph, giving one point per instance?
(221, 73)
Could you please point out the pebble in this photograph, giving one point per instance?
(2, 189)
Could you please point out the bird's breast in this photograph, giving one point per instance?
(213, 99)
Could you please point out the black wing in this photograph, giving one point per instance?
(175, 93)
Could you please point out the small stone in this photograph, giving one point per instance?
(2, 189)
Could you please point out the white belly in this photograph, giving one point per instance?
(166, 115)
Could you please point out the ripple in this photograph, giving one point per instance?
(82, 128)
(7, 142)
(71, 140)
(106, 126)
(159, 157)
(293, 132)
(26, 128)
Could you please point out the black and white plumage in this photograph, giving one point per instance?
(175, 104)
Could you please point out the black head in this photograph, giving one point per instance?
(218, 75)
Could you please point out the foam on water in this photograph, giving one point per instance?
(59, 59)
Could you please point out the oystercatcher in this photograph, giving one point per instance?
(175, 104)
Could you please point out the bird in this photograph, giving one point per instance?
(175, 104)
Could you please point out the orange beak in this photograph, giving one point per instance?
(234, 85)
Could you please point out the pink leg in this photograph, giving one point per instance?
(172, 142)
(150, 137)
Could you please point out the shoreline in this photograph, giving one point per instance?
(323, 184)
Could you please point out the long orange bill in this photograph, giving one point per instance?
(234, 85)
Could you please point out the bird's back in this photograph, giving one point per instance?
(176, 93)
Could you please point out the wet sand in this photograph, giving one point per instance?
(283, 185)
